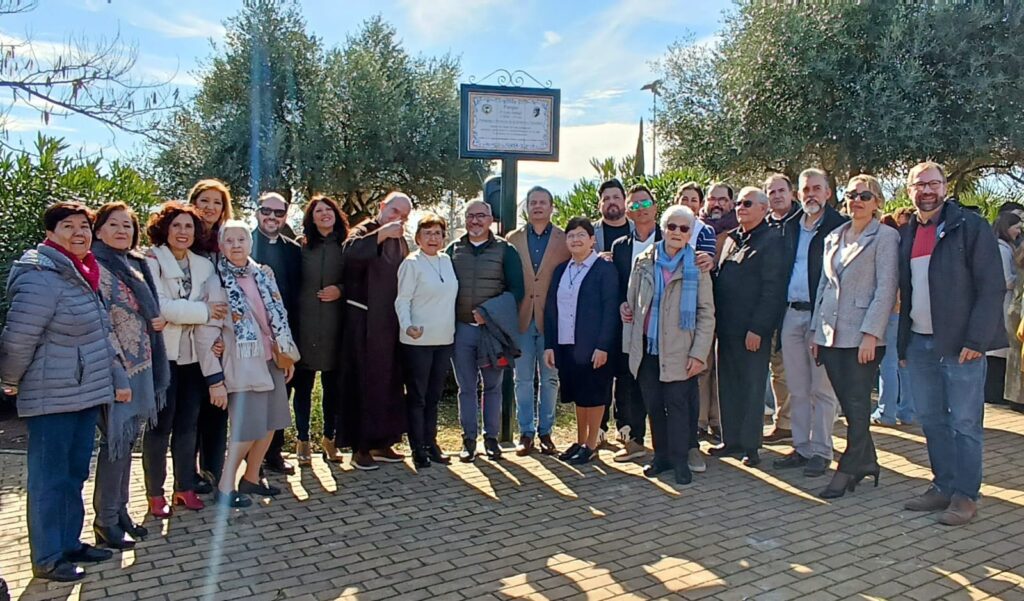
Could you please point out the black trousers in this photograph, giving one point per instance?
(426, 369)
(630, 409)
(212, 436)
(670, 407)
(995, 380)
(741, 381)
(853, 383)
(330, 384)
(177, 423)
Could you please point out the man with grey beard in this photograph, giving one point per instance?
(812, 402)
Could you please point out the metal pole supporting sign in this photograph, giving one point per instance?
(510, 123)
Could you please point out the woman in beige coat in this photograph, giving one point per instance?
(246, 379)
(856, 294)
(670, 321)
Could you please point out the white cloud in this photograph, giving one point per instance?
(40, 50)
(550, 39)
(438, 20)
(578, 144)
(178, 26)
(23, 124)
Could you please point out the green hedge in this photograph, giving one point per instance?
(29, 181)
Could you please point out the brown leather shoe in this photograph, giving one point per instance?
(961, 510)
(547, 446)
(931, 500)
(525, 446)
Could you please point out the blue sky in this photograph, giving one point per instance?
(596, 52)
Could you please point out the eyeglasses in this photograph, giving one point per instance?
(673, 227)
(279, 213)
(746, 204)
(864, 196)
(477, 216)
(934, 184)
(636, 205)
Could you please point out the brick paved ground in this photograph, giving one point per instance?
(537, 529)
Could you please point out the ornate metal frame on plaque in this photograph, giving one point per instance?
(503, 122)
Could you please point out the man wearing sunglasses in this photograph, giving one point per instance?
(813, 405)
(283, 255)
(630, 413)
(951, 298)
(749, 294)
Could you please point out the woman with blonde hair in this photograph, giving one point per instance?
(856, 295)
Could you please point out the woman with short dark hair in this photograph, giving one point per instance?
(130, 293)
(581, 319)
(179, 273)
(324, 229)
(425, 304)
(56, 356)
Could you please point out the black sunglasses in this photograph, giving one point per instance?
(862, 196)
(673, 227)
(279, 213)
(746, 204)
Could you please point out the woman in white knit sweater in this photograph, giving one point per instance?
(426, 316)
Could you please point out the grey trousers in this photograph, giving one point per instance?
(110, 493)
(812, 402)
(707, 383)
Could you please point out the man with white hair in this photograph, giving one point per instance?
(487, 267)
(813, 405)
(749, 295)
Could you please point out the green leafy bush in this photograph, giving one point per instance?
(29, 181)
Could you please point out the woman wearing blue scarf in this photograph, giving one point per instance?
(669, 336)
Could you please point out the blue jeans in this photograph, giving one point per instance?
(59, 449)
(531, 344)
(895, 400)
(951, 406)
(468, 376)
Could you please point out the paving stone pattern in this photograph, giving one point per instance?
(535, 528)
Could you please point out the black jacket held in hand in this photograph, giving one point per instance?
(598, 326)
(965, 284)
(750, 283)
(791, 240)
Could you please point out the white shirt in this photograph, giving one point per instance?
(640, 246)
(568, 297)
(427, 288)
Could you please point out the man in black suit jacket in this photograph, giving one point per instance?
(749, 295)
(630, 413)
(283, 255)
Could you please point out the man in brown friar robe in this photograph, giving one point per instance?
(373, 416)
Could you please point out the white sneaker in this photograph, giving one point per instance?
(695, 461)
(632, 450)
(623, 435)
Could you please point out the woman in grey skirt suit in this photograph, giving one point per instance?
(246, 379)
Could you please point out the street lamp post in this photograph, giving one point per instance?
(653, 87)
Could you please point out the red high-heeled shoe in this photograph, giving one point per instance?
(189, 500)
(159, 508)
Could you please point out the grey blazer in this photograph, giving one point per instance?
(857, 296)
